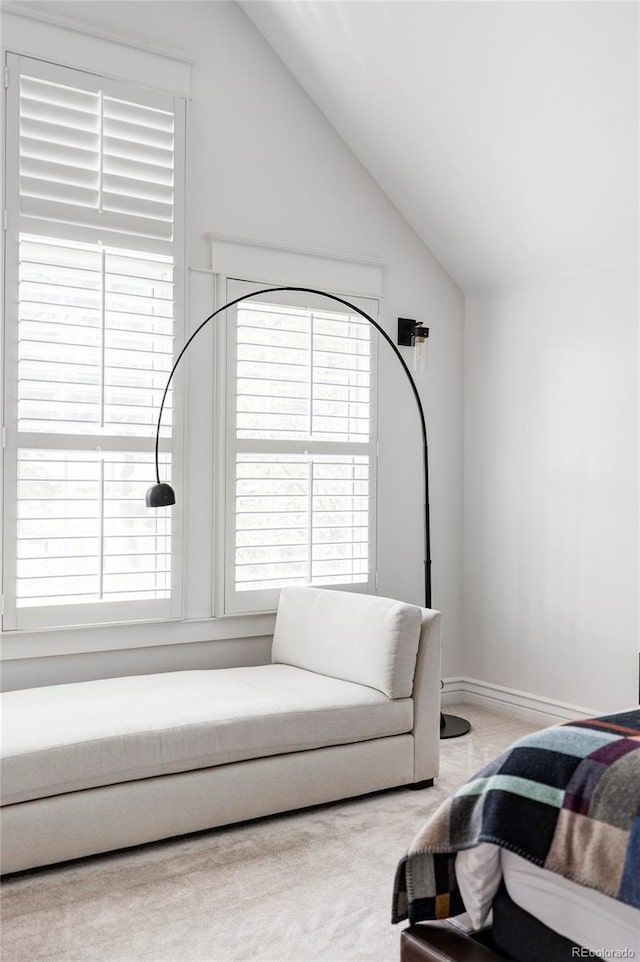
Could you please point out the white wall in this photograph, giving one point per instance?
(551, 488)
(264, 163)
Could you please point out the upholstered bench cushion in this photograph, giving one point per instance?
(369, 640)
(70, 737)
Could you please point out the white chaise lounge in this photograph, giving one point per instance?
(349, 705)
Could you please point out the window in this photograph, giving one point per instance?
(93, 279)
(300, 447)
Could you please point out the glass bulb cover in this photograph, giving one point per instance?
(420, 356)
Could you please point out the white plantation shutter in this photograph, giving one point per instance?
(137, 173)
(300, 449)
(95, 338)
(94, 208)
(83, 531)
(59, 147)
(93, 157)
(302, 374)
(301, 519)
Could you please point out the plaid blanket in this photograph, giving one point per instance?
(565, 798)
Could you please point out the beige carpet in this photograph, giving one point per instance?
(314, 885)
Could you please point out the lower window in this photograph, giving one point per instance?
(84, 534)
(300, 447)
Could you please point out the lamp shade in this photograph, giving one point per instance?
(160, 496)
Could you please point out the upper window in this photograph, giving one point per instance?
(300, 447)
(94, 205)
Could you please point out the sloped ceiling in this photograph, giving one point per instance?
(506, 133)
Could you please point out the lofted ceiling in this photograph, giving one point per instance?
(506, 133)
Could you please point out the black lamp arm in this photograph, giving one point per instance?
(383, 333)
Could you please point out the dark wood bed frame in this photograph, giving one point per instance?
(515, 935)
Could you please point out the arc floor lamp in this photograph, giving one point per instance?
(161, 494)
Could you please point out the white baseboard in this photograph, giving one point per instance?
(521, 704)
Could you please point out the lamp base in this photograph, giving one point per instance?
(452, 726)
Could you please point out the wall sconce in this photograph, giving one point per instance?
(414, 334)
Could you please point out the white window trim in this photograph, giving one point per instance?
(77, 640)
(108, 614)
(271, 264)
(38, 34)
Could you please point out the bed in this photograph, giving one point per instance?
(537, 857)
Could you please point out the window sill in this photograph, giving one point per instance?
(149, 634)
